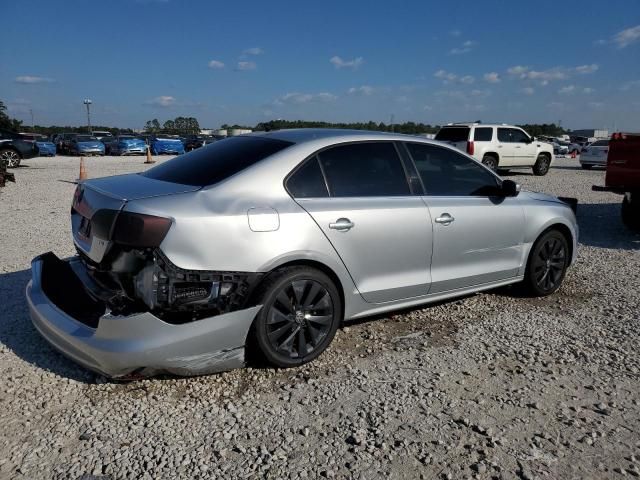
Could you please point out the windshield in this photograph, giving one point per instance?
(220, 160)
(453, 134)
(86, 138)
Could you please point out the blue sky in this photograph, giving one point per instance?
(245, 62)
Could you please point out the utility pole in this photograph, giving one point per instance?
(88, 102)
(391, 122)
(32, 122)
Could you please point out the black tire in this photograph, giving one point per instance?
(11, 157)
(630, 213)
(547, 264)
(586, 167)
(491, 162)
(541, 167)
(283, 332)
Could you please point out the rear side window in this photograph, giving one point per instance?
(307, 181)
(216, 162)
(453, 134)
(483, 134)
(445, 172)
(364, 170)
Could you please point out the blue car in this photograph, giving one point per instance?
(47, 148)
(167, 145)
(86, 145)
(127, 145)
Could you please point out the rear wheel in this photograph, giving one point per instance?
(11, 157)
(491, 162)
(631, 212)
(547, 264)
(299, 318)
(541, 167)
(586, 167)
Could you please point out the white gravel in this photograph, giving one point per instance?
(490, 386)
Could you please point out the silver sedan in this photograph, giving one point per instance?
(266, 243)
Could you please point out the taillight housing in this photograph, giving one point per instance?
(470, 147)
(140, 230)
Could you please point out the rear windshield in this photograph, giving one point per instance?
(86, 138)
(213, 163)
(453, 134)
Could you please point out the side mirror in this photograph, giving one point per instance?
(510, 188)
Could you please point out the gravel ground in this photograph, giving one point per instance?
(489, 386)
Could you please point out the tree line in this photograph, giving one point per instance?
(177, 126)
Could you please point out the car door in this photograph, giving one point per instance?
(505, 147)
(477, 234)
(366, 210)
(524, 150)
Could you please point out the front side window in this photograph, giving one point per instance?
(483, 134)
(445, 172)
(518, 136)
(504, 135)
(307, 181)
(364, 170)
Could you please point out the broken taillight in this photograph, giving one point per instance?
(140, 230)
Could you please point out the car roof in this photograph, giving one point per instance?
(475, 124)
(303, 135)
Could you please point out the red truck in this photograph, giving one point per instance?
(623, 175)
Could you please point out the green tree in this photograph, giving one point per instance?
(6, 122)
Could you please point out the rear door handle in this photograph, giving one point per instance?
(445, 219)
(342, 225)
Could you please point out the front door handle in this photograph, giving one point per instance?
(342, 225)
(445, 219)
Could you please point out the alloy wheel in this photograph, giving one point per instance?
(11, 157)
(549, 264)
(300, 318)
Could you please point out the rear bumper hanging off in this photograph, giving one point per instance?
(142, 344)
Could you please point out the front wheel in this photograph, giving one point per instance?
(11, 157)
(547, 264)
(301, 311)
(586, 167)
(631, 212)
(541, 167)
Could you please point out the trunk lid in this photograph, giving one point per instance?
(97, 203)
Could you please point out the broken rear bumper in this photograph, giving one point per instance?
(140, 344)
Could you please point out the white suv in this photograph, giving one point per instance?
(499, 146)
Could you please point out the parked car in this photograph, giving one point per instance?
(268, 242)
(499, 146)
(46, 147)
(63, 142)
(102, 135)
(86, 145)
(594, 155)
(127, 145)
(14, 149)
(162, 144)
(623, 175)
(191, 142)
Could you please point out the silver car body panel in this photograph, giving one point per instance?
(395, 255)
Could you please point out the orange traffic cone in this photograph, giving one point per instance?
(83, 170)
(573, 154)
(149, 159)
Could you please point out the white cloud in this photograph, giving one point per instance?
(448, 77)
(517, 70)
(30, 79)
(480, 93)
(492, 77)
(595, 105)
(588, 90)
(630, 85)
(455, 33)
(467, 79)
(162, 101)
(466, 47)
(363, 90)
(244, 65)
(253, 51)
(353, 64)
(568, 90)
(427, 108)
(402, 99)
(216, 64)
(584, 69)
(627, 37)
(298, 98)
(528, 91)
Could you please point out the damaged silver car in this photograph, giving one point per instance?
(264, 244)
